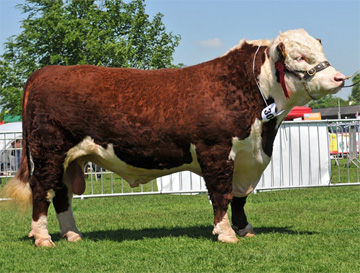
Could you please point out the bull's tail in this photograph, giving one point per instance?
(18, 188)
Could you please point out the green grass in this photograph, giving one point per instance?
(306, 230)
(343, 173)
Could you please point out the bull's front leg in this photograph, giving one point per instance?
(217, 171)
(222, 226)
(239, 220)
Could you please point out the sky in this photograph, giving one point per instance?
(208, 29)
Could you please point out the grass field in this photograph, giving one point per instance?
(306, 230)
(344, 173)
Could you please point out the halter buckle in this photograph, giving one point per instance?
(311, 72)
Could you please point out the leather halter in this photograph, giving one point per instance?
(281, 67)
(309, 73)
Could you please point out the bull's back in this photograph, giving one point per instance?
(145, 115)
(99, 91)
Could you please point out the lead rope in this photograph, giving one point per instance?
(270, 111)
(353, 75)
(253, 68)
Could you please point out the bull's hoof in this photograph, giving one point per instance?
(44, 242)
(224, 231)
(228, 238)
(250, 234)
(248, 231)
(73, 236)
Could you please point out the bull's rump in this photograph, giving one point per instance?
(150, 117)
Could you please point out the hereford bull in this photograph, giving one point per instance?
(144, 124)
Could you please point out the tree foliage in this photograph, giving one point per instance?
(328, 101)
(355, 92)
(105, 33)
(333, 101)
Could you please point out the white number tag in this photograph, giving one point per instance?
(269, 112)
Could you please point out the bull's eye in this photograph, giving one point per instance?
(301, 58)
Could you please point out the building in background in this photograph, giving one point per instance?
(346, 112)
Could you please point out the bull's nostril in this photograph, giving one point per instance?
(339, 77)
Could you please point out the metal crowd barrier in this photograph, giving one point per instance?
(306, 154)
(310, 154)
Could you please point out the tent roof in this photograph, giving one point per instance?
(298, 112)
(11, 127)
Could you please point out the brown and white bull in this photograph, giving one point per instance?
(144, 124)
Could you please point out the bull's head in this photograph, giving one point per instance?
(306, 73)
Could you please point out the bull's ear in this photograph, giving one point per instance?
(281, 51)
(319, 40)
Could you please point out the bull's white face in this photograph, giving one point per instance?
(303, 52)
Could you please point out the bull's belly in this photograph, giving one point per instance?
(249, 162)
(88, 150)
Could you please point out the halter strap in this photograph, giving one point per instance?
(281, 67)
(311, 72)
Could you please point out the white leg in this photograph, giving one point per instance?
(66, 218)
(68, 226)
(224, 231)
(248, 231)
(40, 231)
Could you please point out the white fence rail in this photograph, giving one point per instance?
(306, 154)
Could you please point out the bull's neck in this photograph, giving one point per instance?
(243, 65)
(270, 87)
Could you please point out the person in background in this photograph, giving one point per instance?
(16, 145)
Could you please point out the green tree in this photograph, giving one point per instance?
(355, 91)
(11, 84)
(327, 101)
(105, 33)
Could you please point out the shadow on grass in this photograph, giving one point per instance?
(134, 235)
(192, 232)
(195, 232)
(282, 230)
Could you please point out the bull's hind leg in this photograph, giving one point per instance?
(42, 183)
(217, 172)
(63, 202)
(64, 213)
(240, 224)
